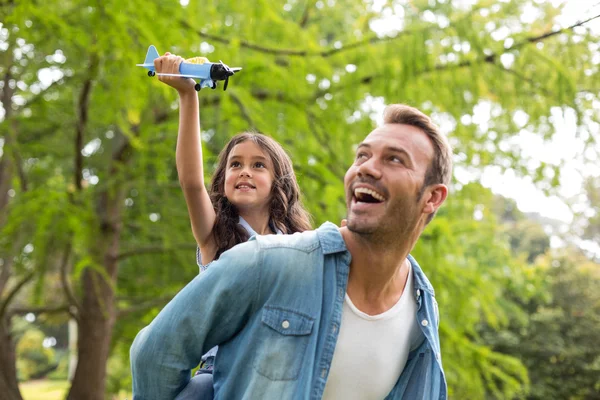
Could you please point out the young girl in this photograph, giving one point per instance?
(253, 191)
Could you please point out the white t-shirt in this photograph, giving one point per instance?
(371, 350)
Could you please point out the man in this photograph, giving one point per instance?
(333, 313)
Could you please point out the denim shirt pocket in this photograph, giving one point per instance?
(285, 335)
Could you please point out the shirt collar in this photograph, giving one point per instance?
(420, 280)
(331, 239)
(332, 242)
(252, 232)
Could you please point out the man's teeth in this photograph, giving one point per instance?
(370, 192)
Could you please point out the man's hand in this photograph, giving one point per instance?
(169, 64)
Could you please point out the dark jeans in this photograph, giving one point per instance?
(200, 387)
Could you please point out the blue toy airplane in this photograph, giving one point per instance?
(200, 68)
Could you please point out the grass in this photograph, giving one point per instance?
(44, 390)
(52, 390)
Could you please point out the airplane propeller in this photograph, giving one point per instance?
(229, 72)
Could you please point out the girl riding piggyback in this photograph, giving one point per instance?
(253, 191)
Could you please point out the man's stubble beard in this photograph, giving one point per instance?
(398, 223)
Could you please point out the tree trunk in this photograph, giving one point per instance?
(9, 386)
(98, 312)
(96, 322)
(8, 373)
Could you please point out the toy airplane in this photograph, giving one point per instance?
(200, 68)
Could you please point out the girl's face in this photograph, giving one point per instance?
(248, 177)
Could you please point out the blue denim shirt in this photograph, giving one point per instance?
(274, 307)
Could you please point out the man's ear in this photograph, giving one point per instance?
(435, 195)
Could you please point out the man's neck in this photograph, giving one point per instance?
(258, 220)
(378, 271)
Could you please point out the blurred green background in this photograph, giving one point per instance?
(94, 232)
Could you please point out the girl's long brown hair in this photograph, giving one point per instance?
(286, 211)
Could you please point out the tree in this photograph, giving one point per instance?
(88, 189)
(558, 341)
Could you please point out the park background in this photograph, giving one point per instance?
(94, 232)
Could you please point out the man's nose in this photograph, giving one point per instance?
(371, 168)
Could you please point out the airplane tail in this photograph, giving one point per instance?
(151, 55)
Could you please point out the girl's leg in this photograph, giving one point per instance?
(200, 387)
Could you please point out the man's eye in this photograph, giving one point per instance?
(397, 160)
(361, 156)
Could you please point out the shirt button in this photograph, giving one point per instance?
(424, 322)
(334, 329)
(323, 373)
(418, 292)
(285, 324)
(437, 356)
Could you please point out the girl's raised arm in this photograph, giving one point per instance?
(189, 155)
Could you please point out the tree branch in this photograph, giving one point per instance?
(262, 94)
(546, 35)
(298, 53)
(489, 59)
(244, 112)
(140, 307)
(64, 308)
(64, 281)
(372, 39)
(305, 15)
(6, 170)
(82, 117)
(14, 292)
(324, 142)
(17, 156)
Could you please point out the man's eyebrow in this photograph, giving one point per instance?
(402, 151)
(393, 149)
(398, 150)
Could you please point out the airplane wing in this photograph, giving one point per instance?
(181, 75)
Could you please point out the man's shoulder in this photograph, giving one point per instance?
(307, 241)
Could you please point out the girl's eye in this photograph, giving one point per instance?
(235, 164)
(260, 165)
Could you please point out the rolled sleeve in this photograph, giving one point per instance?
(205, 313)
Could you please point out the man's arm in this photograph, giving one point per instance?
(207, 312)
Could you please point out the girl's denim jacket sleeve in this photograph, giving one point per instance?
(273, 305)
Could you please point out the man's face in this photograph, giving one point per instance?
(383, 184)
